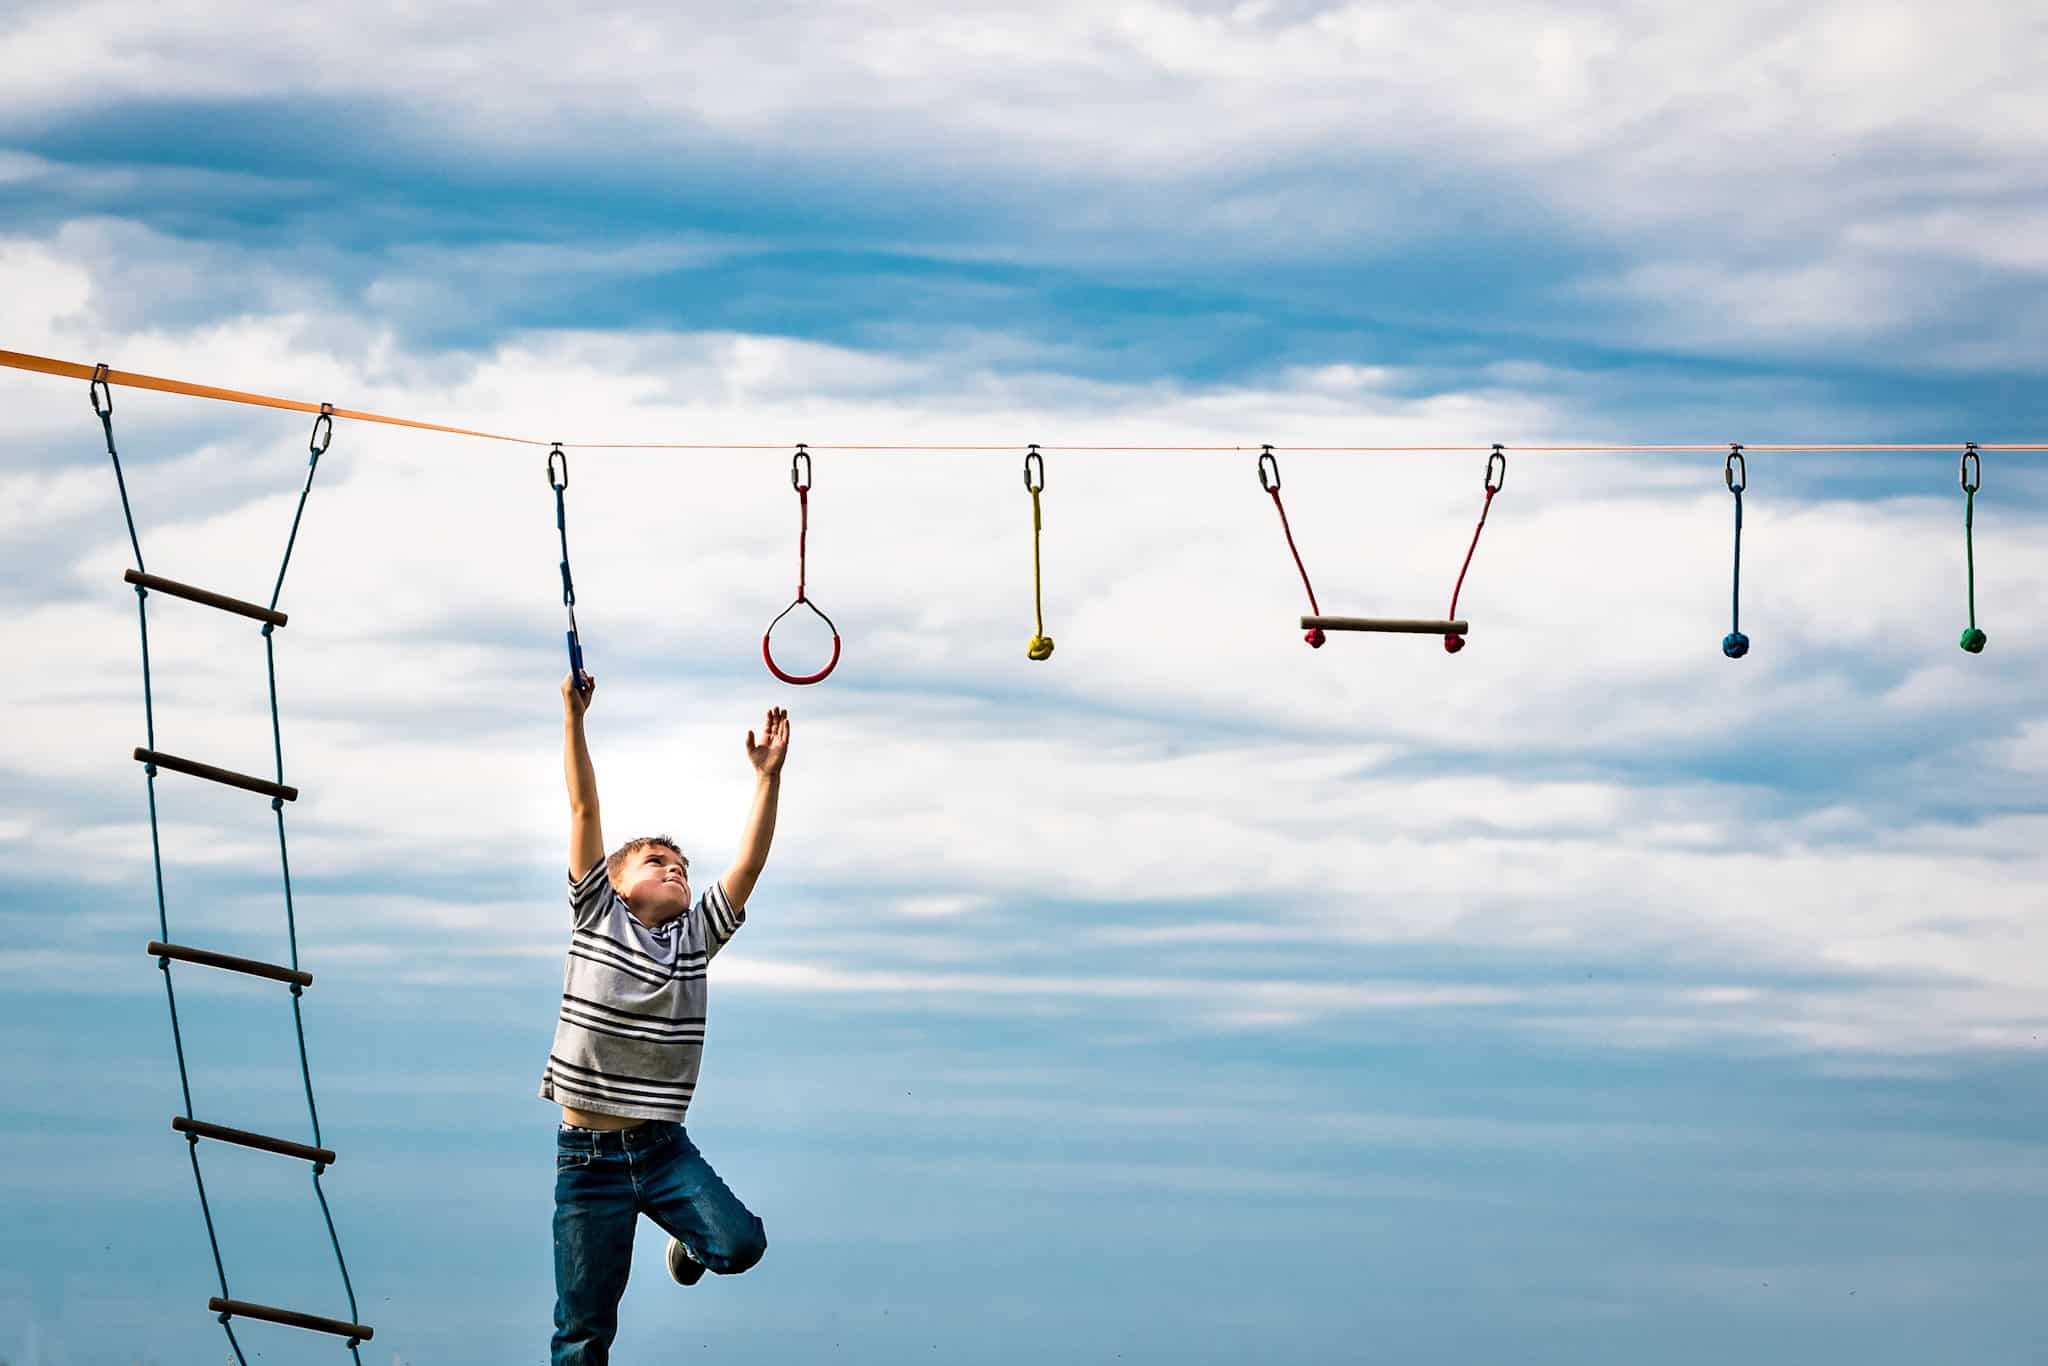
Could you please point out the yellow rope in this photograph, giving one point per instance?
(1041, 644)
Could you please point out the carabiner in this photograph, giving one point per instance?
(322, 435)
(1030, 456)
(98, 387)
(1496, 470)
(1971, 475)
(1735, 483)
(553, 454)
(802, 485)
(1266, 458)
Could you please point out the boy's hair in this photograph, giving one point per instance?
(617, 859)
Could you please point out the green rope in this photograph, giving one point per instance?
(99, 389)
(103, 406)
(291, 925)
(106, 416)
(323, 432)
(1971, 479)
(347, 1287)
(1970, 548)
(318, 448)
(192, 1150)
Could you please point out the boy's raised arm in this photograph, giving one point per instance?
(767, 758)
(586, 838)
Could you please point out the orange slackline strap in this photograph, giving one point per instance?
(44, 365)
(18, 360)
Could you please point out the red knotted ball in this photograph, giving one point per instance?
(1453, 644)
(1315, 638)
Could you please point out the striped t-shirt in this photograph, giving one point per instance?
(631, 1032)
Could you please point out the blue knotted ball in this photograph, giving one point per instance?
(1973, 641)
(1735, 645)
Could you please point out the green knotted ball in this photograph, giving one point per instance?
(1973, 641)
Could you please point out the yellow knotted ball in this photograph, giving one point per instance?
(1039, 648)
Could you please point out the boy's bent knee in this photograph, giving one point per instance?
(747, 1250)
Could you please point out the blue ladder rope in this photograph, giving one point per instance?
(323, 427)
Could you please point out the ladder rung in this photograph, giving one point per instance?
(1403, 625)
(230, 962)
(291, 1318)
(200, 595)
(248, 1140)
(218, 775)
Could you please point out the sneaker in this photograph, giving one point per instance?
(683, 1266)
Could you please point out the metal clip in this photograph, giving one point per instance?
(323, 433)
(1971, 475)
(1266, 458)
(1496, 469)
(1736, 483)
(1030, 456)
(801, 485)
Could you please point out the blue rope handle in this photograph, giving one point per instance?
(1735, 473)
(560, 487)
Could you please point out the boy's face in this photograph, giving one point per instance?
(656, 883)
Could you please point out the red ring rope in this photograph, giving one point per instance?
(803, 494)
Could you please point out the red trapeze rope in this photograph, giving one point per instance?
(1496, 476)
(1315, 637)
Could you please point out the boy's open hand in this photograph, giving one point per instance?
(768, 755)
(576, 702)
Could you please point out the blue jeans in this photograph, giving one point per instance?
(604, 1181)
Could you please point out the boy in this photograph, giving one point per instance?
(627, 1046)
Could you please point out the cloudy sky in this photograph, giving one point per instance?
(1192, 996)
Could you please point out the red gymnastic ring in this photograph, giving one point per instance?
(768, 656)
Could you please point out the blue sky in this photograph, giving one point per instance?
(1584, 998)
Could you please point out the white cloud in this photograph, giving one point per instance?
(1538, 796)
(1766, 178)
(2011, 238)
(938, 907)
